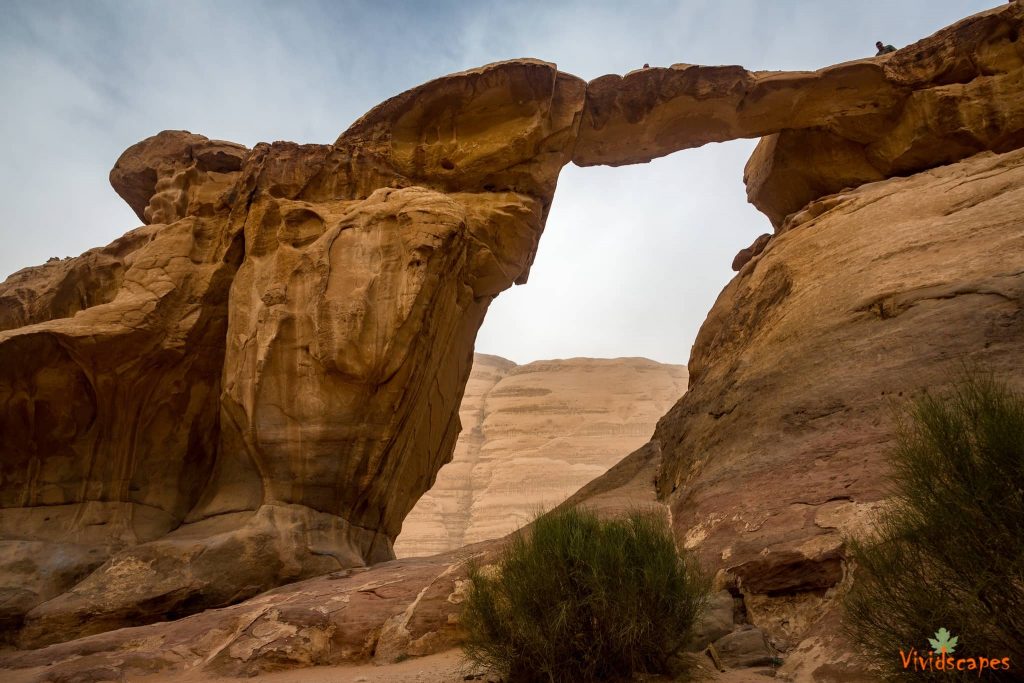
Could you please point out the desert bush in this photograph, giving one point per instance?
(949, 552)
(577, 598)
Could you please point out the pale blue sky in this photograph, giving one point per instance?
(632, 258)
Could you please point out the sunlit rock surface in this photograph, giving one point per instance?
(258, 384)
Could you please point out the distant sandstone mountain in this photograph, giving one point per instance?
(531, 436)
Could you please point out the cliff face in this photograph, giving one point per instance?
(258, 384)
(779, 449)
(531, 436)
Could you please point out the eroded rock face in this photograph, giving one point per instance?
(942, 99)
(385, 613)
(110, 370)
(258, 384)
(779, 448)
(402, 608)
(532, 435)
(959, 92)
(172, 175)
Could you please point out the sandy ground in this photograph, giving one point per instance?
(444, 667)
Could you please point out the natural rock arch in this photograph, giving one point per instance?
(269, 372)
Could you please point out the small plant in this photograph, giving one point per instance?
(577, 598)
(948, 556)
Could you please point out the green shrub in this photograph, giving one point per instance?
(577, 598)
(949, 553)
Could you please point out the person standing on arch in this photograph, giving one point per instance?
(883, 49)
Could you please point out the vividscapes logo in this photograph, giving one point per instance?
(941, 657)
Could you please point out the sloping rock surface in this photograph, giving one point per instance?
(394, 610)
(779, 448)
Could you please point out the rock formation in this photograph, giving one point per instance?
(531, 436)
(779, 448)
(385, 613)
(944, 98)
(258, 384)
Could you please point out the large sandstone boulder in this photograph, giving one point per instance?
(531, 436)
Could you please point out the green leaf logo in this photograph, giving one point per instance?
(943, 643)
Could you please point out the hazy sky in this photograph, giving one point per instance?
(632, 258)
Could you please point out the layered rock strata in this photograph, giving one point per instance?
(385, 613)
(531, 436)
(259, 384)
(779, 450)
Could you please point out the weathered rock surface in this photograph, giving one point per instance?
(717, 622)
(778, 449)
(956, 93)
(532, 436)
(944, 98)
(257, 385)
(176, 174)
(109, 381)
(394, 610)
(402, 608)
(744, 648)
(755, 249)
